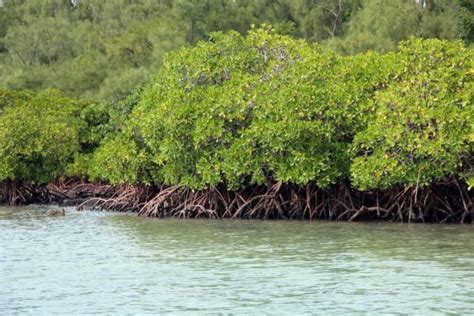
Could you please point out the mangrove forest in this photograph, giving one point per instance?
(297, 112)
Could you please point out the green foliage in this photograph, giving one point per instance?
(380, 25)
(247, 110)
(104, 49)
(118, 161)
(323, 20)
(219, 113)
(42, 133)
(257, 109)
(9, 98)
(39, 136)
(423, 126)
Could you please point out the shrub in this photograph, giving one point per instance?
(247, 110)
(39, 134)
(423, 127)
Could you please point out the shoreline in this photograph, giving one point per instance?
(448, 202)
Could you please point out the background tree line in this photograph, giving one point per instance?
(103, 49)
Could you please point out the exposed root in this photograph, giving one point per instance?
(449, 201)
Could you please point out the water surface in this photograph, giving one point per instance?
(92, 262)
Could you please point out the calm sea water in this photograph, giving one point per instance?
(92, 262)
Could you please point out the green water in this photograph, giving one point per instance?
(90, 262)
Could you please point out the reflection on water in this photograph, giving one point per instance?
(92, 262)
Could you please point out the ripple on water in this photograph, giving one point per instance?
(92, 262)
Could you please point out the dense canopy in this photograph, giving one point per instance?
(244, 110)
(112, 46)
